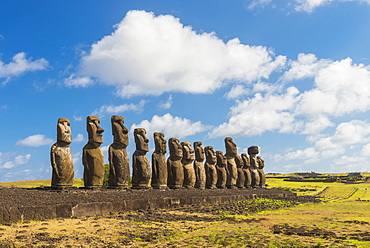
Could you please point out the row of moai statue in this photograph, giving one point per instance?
(184, 168)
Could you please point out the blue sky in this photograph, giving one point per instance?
(292, 77)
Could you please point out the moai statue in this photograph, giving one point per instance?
(92, 157)
(174, 165)
(200, 172)
(247, 172)
(140, 163)
(221, 170)
(231, 152)
(159, 167)
(119, 171)
(261, 172)
(187, 162)
(253, 151)
(241, 177)
(211, 172)
(61, 156)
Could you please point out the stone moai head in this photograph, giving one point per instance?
(141, 140)
(160, 143)
(239, 161)
(231, 149)
(64, 134)
(175, 148)
(119, 131)
(221, 158)
(210, 155)
(199, 151)
(187, 151)
(253, 150)
(261, 162)
(94, 130)
(245, 159)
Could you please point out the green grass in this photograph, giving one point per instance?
(37, 183)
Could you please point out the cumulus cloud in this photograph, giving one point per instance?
(79, 138)
(167, 104)
(35, 141)
(112, 109)
(75, 81)
(171, 126)
(18, 160)
(150, 55)
(271, 112)
(19, 65)
(348, 137)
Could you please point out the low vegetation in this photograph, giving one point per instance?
(340, 219)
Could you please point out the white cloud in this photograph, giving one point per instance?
(307, 65)
(112, 109)
(341, 88)
(271, 112)
(77, 118)
(149, 55)
(167, 104)
(317, 125)
(18, 160)
(171, 126)
(309, 5)
(76, 158)
(237, 91)
(75, 81)
(79, 138)
(347, 138)
(35, 141)
(256, 3)
(19, 65)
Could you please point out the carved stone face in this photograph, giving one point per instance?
(94, 130)
(119, 131)
(64, 134)
(175, 148)
(245, 160)
(187, 151)
(160, 143)
(239, 161)
(199, 151)
(141, 140)
(210, 155)
(230, 147)
(221, 159)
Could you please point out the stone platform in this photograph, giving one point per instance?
(19, 204)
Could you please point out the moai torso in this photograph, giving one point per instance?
(221, 170)
(241, 177)
(211, 172)
(187, 162)
(246, 170)
(231, 152)
(261, 172)
(252, 151)
(119, 171)
(159, 167)
(61, 156)
(140, 163)
(92, 157)
(174, 165)
(200, 172)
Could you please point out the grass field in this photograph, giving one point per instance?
(341, 220)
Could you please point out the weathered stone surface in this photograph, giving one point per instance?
(140, 163)
(187, 162)
(246, 170)
(61, 156)
(241, 177)
(91, 209)
(261, 172)
(200, 172)
(211, 172)
(174, 165)
(253, 150)
(159, 166)
(221, 170)
(254, 171)
(119, 171)
(92, 157)
(231, 152)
